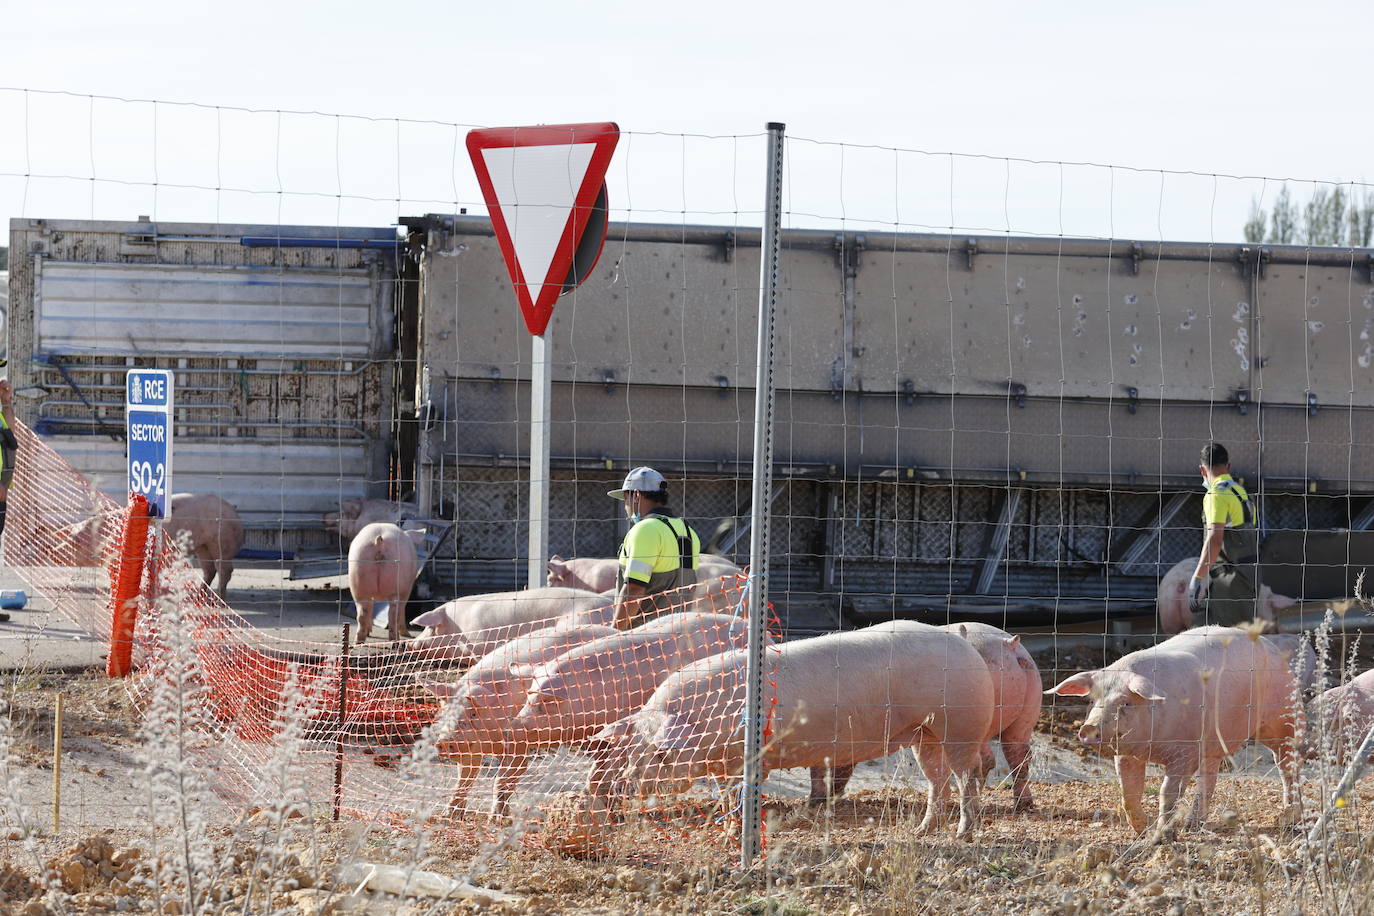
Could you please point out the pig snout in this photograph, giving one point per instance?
(1090, 734)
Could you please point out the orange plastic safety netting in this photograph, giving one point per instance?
(529, 706)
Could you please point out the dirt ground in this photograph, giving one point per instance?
(861, 855)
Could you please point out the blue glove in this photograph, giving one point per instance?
(1197, 594)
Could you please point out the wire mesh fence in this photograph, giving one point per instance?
(993, 379)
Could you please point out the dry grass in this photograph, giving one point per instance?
(1072, 856)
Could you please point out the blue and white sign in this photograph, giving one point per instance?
(148, 431)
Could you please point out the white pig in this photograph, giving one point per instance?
(1172, 599)
(492, 691)
(841, 699)
(382, 564)
(1186, 704)
(465, 629)
(356, 514)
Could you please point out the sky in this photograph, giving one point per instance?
(1080, 119)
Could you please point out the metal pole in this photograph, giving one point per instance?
(57, 767)
(338, 735)
(759, 518)
(541, 402)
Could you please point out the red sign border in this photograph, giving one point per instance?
(605, 135)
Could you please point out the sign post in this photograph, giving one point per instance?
(545, 188)
(148, 432)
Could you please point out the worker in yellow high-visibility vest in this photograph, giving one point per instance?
(1226, 581)
(660, 552)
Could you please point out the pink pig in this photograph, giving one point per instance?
(1186, 704)
(492, 691)
(598, 575)
(465, 629)
(583, 691)
(842, 699)
(212, 530)
(1172, 599)
(382, 564)
(592, 574)
(1341, 717)
(206, 526)
(1016, 709)
(1017, 699)
(356, 514)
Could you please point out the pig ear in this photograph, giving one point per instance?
(556, 564)
(526, 670)
(963, 631)
(1080, 685)
(430, 618)
(1014, 641)
(1144, 688)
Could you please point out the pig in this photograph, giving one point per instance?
(589, 573)
(1185, 704)
(492, 691)
(1016, 701)
(842, 699)
(1172, 599)
(382, 564)
(577, 694)
(465, 629)
(85, 542)
(598, 575)
(356, 514)
(210, 529)
(1340, 718)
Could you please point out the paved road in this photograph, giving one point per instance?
(313, 610)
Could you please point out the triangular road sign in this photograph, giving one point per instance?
(541, 185)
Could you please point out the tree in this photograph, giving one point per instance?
(1330, 217)
(1254, 226)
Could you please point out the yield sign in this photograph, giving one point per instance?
(545, 190)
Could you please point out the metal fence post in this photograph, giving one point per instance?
(759, 519)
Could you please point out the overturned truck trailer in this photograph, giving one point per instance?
(281, 339)
(1004, 428)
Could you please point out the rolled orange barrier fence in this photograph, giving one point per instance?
(127, 582)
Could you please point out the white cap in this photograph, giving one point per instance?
(645, 480)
